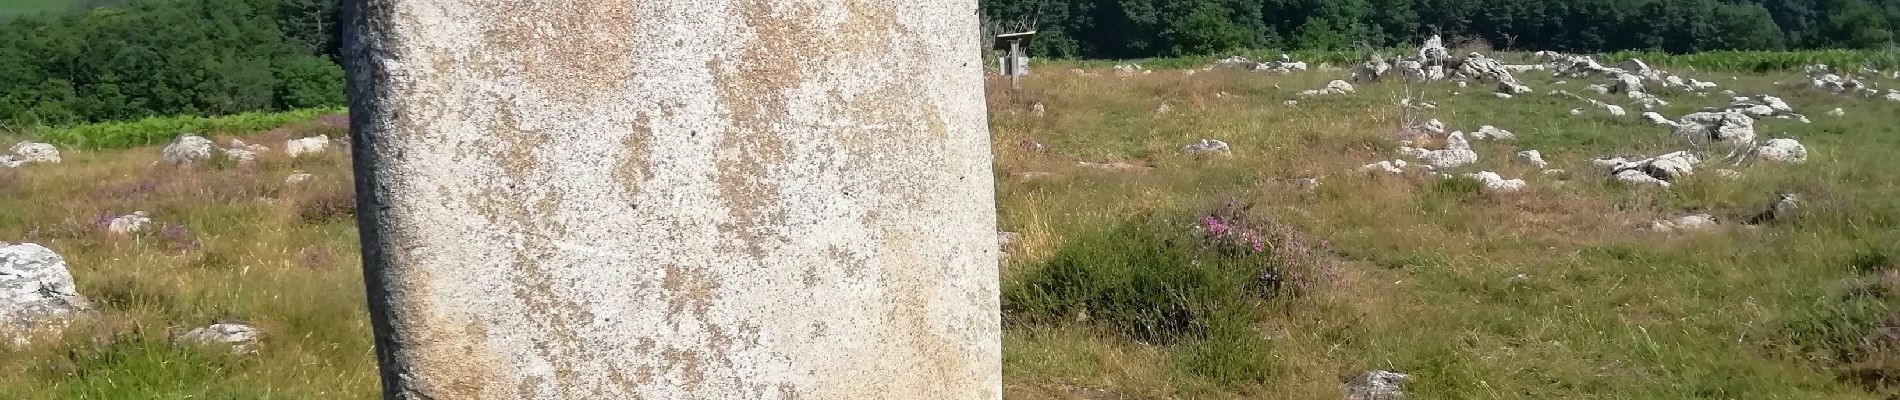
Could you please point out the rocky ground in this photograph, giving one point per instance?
(1431, 225)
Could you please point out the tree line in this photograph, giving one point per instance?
(1149, 28)
(168, 57)
(116, 60)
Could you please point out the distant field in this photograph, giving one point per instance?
(16, 7)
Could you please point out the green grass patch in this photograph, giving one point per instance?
(159, 130)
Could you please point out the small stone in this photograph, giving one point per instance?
(1837, 112)
(1206, 146)
(306, 146)
(1377, 385)
(1783, 150)
(1533, 158)
(1494, 183)
(297, 177)
(128, 224)
(240, 337)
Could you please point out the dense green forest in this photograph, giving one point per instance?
(1145, 28)
(168, 57)
(106, 60)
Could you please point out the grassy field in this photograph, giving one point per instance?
(1142, 282)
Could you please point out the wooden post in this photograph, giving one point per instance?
(623, 199)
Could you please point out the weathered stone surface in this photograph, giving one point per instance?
(239, 337)
(1533, 158)
(297, 177)
(1377, 385)
(1494, 183)
(1722, 127)
(310, 145)
(1335, 87)
(768, 199)
(188, 149)
(36, 291)
(129, 223)
(1783, 150)
(1206, 146)
(1686, 223)
(1660, 170)
(1392, 167)
(1488, 132)
(33, 152)
(1784, 208)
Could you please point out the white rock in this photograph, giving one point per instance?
(242, 338)
(128, 224)
(188, 149)
(36, 291)
(1456, 141)
(1291, 103)
(310, 145)
(1433, 126)
(1488, 132)
(1576, 111)
(1728, 173)
(1614, 110)
(1394, 167)
(242, 156)
(1164, 109)
(1038, 110)
(1837, 112)
(1532, 157)
(1497, 184)
(1687, 223)
(1512, 87)
(1206, 146)
(1640, 178)
(1783, 150)
(32, 152)
(1502, 95)
(1377, 385)
(1447, 159)
(297, 177)
(1721, 127)
(1658, 119)
(1462, 84)
(1777, 104)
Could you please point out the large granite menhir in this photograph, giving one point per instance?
(619, 199)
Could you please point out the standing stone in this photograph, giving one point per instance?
(766, 199)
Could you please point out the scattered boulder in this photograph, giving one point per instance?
(1687, 223)
(1627, 83)
(1038, 110)
(242, 156)
(1784, 208)
(1371, 70)
(1127, 70)
(1837, 112)
(239, 336)
(128, 224)
(1477, 66)
(1457, 153)
(1783, 150)
(1377, 385)
(36, 291)
(1660, 170)
(1488, 132)
(1658, 119)
(1532, 157)
(188, 149)
(1433, 126)
(1494, 183)
(1393, 167)
(1336, 87)
(1387, 167)
(1118, 166)
(1433, 51)
(33, 152)
(297, 177)
(1206, 146)
(1718, 127)
(1511, 88)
